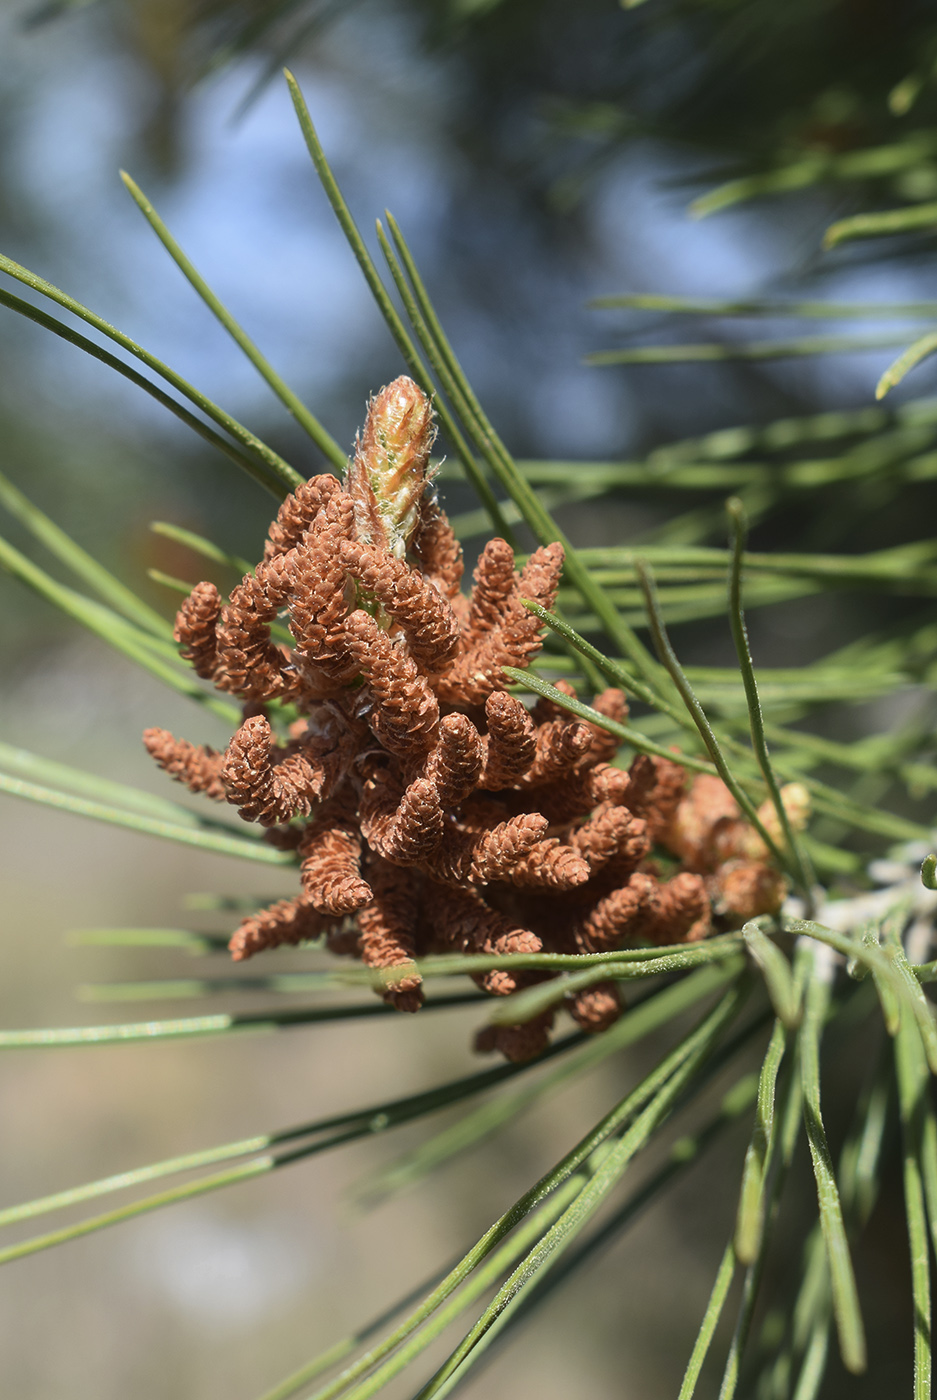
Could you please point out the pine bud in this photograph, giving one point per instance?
(796, 802)
(389, 470)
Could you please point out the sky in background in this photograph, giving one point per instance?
(246, 207)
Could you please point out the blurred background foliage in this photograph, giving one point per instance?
(540, 155)
(537, 155)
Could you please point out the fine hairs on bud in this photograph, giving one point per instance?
(429, 810)
(389, 470)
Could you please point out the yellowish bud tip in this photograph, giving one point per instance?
(795, 800)
(391, 465)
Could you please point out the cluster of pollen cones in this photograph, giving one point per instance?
(430, 810)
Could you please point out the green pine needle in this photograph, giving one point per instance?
(307, 420)
(750, 1218)
(708, 351)
(204, 835)
(266, 465)
(842, 1280)
(636, 1022)
(921, 350)
(159, 657)
(86, 568)
(199, 545)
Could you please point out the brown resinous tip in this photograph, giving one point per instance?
(390, 468)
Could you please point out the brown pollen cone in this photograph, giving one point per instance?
(655, 790)
(265, 783)
(517, 1043)
(199, 767)
(330, 849)
(426, 619)
(550, 866)
(317, 600)
(706, 819)
(613, 705)
(472, 926)
(195, 627)
(512, 742)
(417, 827)
(744, 889)
(438, 552)
(253, 664)
(596, 1008)
(288, 921)
(560, 748)
(677, 912)
(616, 918)
(493, 581)
(406, 712)
(478, 672)
(455, 764)
(297, 514)
(610, 832)
(426, 809)
(546, 709)
(497, 851)
(387, 939)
